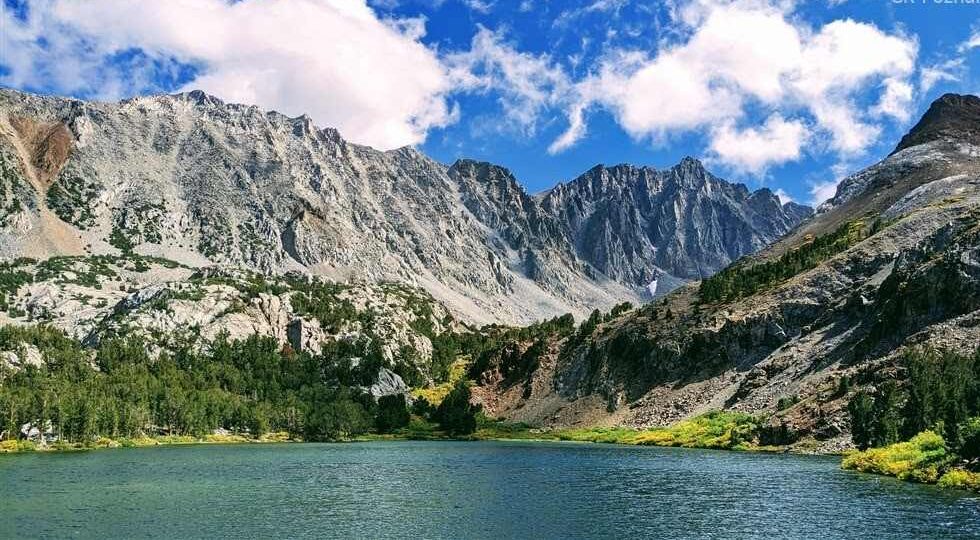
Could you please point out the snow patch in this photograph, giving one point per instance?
(652, 287)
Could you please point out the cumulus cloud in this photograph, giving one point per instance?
(896, 101)
(753, 149)
(333, 59)
(753, 76)
(756, 53)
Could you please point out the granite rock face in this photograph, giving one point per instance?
(169, 306)
(195, 180)
(635, 224)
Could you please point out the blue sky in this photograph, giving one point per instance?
(787, 95)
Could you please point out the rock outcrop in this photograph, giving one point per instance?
(170, 306)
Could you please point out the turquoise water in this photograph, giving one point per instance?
(463, 490)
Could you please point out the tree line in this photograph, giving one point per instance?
(941, 392)
(251, 386)
(742, 279)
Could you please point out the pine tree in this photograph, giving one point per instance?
(861, 410)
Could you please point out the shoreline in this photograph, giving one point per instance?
(106, 443)
(955, 478)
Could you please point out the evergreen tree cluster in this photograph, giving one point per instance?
(941, 393)
(742, 279)
(484, 346)
(456, 415)
(251, 386)
(588, 326)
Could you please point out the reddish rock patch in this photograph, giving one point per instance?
(48, 145)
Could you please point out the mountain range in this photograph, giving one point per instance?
(194, 180)
(182, 217)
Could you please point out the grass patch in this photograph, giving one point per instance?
(18, 446)
(921, 459)
(491, 430)
(720, 429)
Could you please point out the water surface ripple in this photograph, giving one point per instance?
(464, 490)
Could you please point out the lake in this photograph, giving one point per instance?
(463, 490)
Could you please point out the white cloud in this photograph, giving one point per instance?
(576, 130)
(752, 150)
(783, 196)
(949, 70)
(480, 6)
(597, 6)
(721, 62)
(972, 43)
(822, 191)
(333, 59)
(949, 67)
(526, 84)
(735, 55)
(896, 101)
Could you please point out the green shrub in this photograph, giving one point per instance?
(968, 445)
(392, 413)
(921, 459)
(960, 478)
(456, 415)
(786, 402)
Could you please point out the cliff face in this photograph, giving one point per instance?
(637, 224)
(893, 261)
(201, 182)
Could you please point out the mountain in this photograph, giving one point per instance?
(890, 264)
(639, 225)
(952, 117)
(200, 182)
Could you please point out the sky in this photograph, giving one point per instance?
(787, 95)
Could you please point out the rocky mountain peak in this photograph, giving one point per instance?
(202, 98)
(483, 171)
(691, 164)
(952, 116)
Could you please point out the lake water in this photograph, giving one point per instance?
(463, 490)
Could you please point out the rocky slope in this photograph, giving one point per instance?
(169, 305)
(201, 182)
(892, 261)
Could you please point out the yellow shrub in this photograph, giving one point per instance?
(435, 395)
(725, 430)
(12, 446)
(961, 478)
(920, 459)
